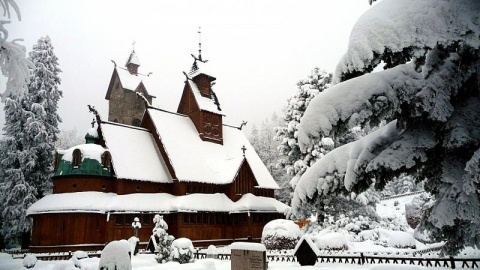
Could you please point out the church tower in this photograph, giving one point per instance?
(200, 102)
(123, 104)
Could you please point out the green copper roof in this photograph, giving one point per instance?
(90, 156)
(87, 167)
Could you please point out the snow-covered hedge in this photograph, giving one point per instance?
(331, 241)
(281, 234)
(182, 250)
(397, 239)
(116, 256)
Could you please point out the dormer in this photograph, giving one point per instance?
(201, 104)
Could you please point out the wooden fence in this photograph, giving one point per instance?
(361, 259)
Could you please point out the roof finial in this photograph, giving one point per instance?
(200, 43)
(199, 58)
(244, 149)
(133, 45)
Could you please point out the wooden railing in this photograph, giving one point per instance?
(361, 259)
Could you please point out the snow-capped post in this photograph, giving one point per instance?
(136, 225)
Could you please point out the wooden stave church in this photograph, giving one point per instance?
(235, 206)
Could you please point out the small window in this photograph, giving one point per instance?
(138, 188)
(118, 220)
(77, 158)
(146, 219)
(128, 220)
(106, 160)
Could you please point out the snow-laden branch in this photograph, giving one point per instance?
(338, 169)
(354, 101)
(409, 28)
(13, 61)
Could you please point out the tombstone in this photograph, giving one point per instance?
(306, 251)
(248, 256)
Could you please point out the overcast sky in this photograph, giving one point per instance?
(257, 50)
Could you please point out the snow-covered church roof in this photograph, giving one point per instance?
(195, 160)
(99, 202)
(134, 153)
(131, 81)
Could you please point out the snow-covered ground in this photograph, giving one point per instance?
(148, 262)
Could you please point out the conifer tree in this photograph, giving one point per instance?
(31, 128)
(429, 95)
(42, 121)
(295, 162)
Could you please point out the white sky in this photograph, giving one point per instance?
(257, 50)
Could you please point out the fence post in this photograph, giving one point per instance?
(362, 258)
(452, 262)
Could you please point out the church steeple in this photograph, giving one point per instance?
(133, 63)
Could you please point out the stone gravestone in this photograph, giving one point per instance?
(248, 256)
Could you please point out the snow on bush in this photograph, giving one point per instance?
(331, 241)
(116, 256)
(281, 234)
(397, 239)
(368, 235)
(29, 261)
(212, 251)
(133, 242)
(182, 250)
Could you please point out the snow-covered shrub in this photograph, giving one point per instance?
(164, 246)
(29, 261)
(331, 241)
(182, 250)
(281, 234)
(116, 256)
(368, 235)
(397, 239)
(415, 209)
(212, 252)
(77, 256)
(133, 242)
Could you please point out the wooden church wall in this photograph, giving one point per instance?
(82, 183)
(68, 229)
(243, 183)
(129, 187)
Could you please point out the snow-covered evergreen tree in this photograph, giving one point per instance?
(16, 193)
(42, 121)
(31, 127)
(295, 161)
(429, 95)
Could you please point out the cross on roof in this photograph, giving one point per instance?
(244, 149)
